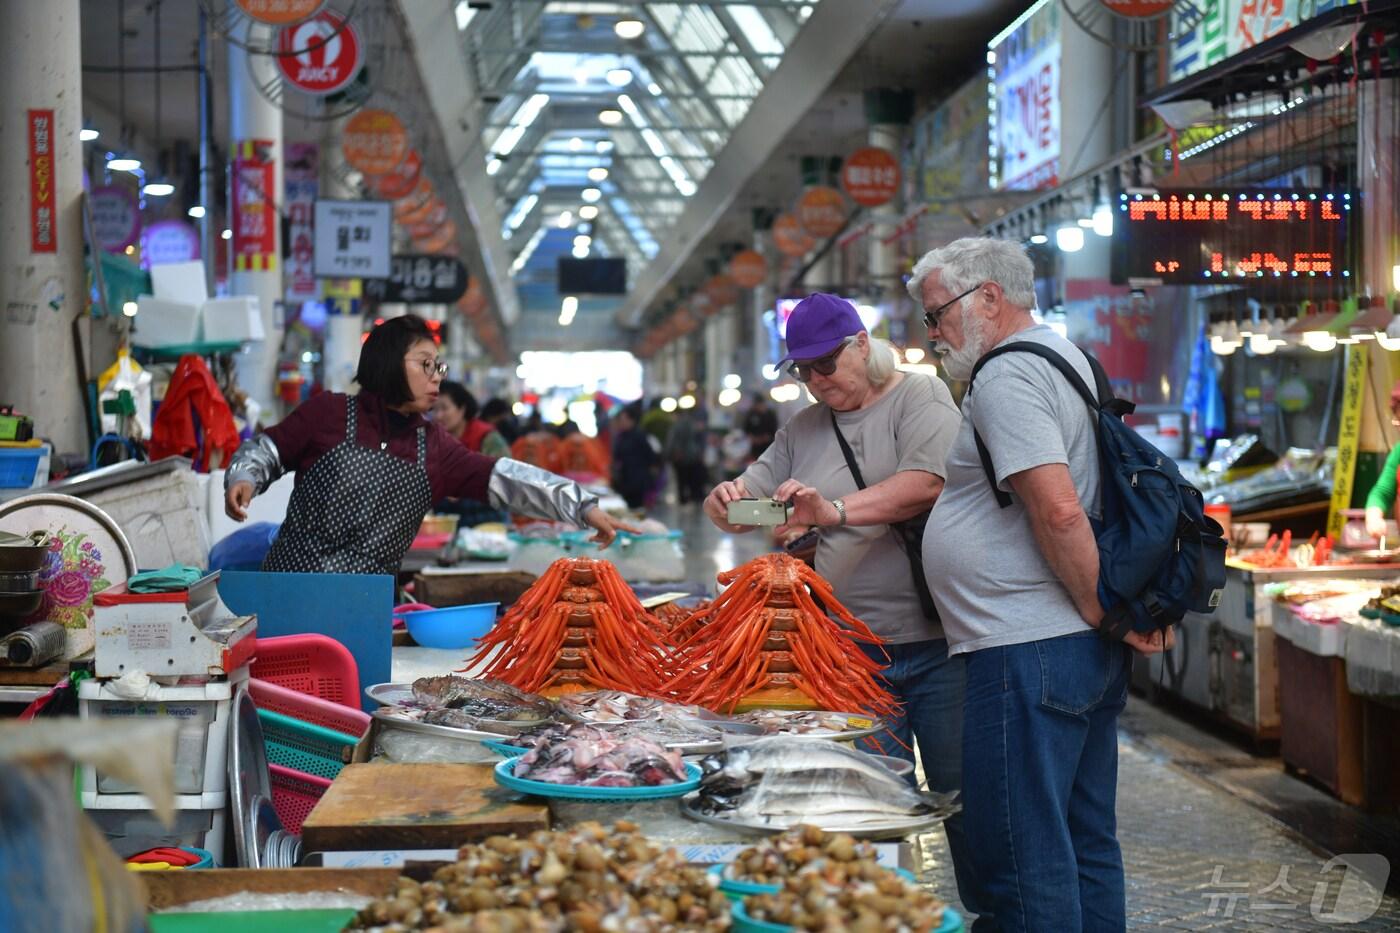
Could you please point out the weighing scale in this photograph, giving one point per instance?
(182, 633)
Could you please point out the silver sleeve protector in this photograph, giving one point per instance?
(520, 487)
(256, 461)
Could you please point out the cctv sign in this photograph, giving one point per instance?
(320, 56)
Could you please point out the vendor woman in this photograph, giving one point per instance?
(370, 466)
(1380, 504)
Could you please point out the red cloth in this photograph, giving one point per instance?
(475, 433)
(193, 394)
(318, 424)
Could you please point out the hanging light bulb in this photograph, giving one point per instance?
(1069, 238)
(1389, 339)
(1102, 220)
(123, 164)
(1319, 340)
(1262, 344)
(158, 189)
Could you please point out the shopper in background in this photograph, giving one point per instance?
(760, 424)
(582, 458)
(1380, 503)
(1018, 597)
(685, 451)
(369, 466)
(635, 462)
(497, 412)
(899, 427)
(457, 411)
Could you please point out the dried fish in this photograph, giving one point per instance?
(479, 699)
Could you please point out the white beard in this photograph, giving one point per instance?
(958, 364)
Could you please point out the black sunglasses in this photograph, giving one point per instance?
(825, 365)
(934, 317)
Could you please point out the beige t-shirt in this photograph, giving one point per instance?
(912, 427)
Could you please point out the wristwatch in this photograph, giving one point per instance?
(840, 509)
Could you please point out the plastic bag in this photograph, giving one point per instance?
(126, 374)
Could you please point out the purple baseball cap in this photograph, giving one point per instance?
(818, 325)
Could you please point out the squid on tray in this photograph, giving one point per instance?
(769, 629)
(579, 626)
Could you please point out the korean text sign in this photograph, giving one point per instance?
(352, 239)
(43, 202)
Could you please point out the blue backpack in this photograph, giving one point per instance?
(1160, 555)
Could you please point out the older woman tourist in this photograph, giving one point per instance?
(899, 428)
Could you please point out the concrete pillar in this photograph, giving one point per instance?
(883, 260)
(1378, 148)
(43, 292)
(764, 299)
(1086, 132)
(253, 117)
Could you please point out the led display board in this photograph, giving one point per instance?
(1208, 236)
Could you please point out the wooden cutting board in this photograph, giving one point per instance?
(416, 806)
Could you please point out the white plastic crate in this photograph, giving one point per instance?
(161, 323)
(201, 820)
(201, 744)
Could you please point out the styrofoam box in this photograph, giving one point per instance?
(201, 743)
(164, 323)
(232, 319)
(200, 820)
(1324, 640)
(163, 518)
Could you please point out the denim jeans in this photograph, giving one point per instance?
(930, 684)
(1040, 748)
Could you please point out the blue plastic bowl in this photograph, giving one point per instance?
(451, 626)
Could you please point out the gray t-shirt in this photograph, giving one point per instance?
(910, 428)
(990, 581)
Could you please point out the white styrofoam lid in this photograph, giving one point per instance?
(180, 281)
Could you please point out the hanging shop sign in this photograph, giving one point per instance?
(421, 279)
(352, 239)
(428, 224)
(949, 152)
(789, 236)
(279, 12)
(722, 290)
(1198, 237)
(1223, 28)
(748, 269)
(255, 219)
(167, 241)
(821, 211)
(301, 178)
(870, 176)
(421, 213)
(374, 141)
(1025, 66)
(412, 204)
(1138, 9)
(321, 55)
(443, 241)
(43, 202)
(1348, 438)
(399, 182)
(116, 217)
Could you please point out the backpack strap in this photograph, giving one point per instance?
(1102, 400)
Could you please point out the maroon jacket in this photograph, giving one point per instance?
(318, 424)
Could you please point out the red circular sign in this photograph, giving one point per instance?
(1139, 9)
(320, 56)
(400, 182)
(821, 211)
(789, 236)
(748, 269)
(279, 12)
(870, 176)
(406, 209)
(723, 290)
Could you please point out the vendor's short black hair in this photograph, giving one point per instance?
(382, 369)
(461, 396)
(495, 408)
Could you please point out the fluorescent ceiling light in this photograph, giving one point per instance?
(227, 234)
(123, 164)
(1039, 239)
(583, 239)
(522, 210)
(493, 166)
(87, 135)
(158, 189)
(597, 173)
(732, 381)
(588, 212)
(464, 12)
(629, 28)
(566, 219)
(604, 146)
(619, 77)
(591, 195)
(610, 117)
(575, 144)
(580, 252)
(569, 305)
(654, 89)
(525, 116)
(1103, 220)
(197, 211)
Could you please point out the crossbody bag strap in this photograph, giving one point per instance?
(847, 453)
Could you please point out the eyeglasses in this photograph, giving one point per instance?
(430, 367)
(933, 318)
(825, 365)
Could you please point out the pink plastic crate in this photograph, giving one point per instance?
(317, 665)
(307, 708)
(294, 795)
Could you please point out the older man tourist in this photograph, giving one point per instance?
(1017, 589)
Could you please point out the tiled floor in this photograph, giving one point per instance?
(1197, 856)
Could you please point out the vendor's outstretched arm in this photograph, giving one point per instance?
(520, 487)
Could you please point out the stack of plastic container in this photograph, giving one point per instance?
(203, 711)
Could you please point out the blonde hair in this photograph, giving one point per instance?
(879, 365)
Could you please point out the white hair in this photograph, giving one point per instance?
(970, 261)
(879, 365)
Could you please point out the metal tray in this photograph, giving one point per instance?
(505, 778)
(892, 829)
(750, 729)
(389, 721)
(390, 694)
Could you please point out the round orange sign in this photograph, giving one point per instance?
(1139, 9)
(374, 142)
(473, 301)
(748, 269)
(280, 12)
(422, 213)
(399, 182)
(405, 208)
(722, 291)
(441, 241)
(870, 176)
(789, 236)
(821, 211)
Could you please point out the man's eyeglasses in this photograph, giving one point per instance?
(933, 318)
(430, 367)
(825, 365)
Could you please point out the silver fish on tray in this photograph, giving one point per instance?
(615, 706)
(688, 737)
